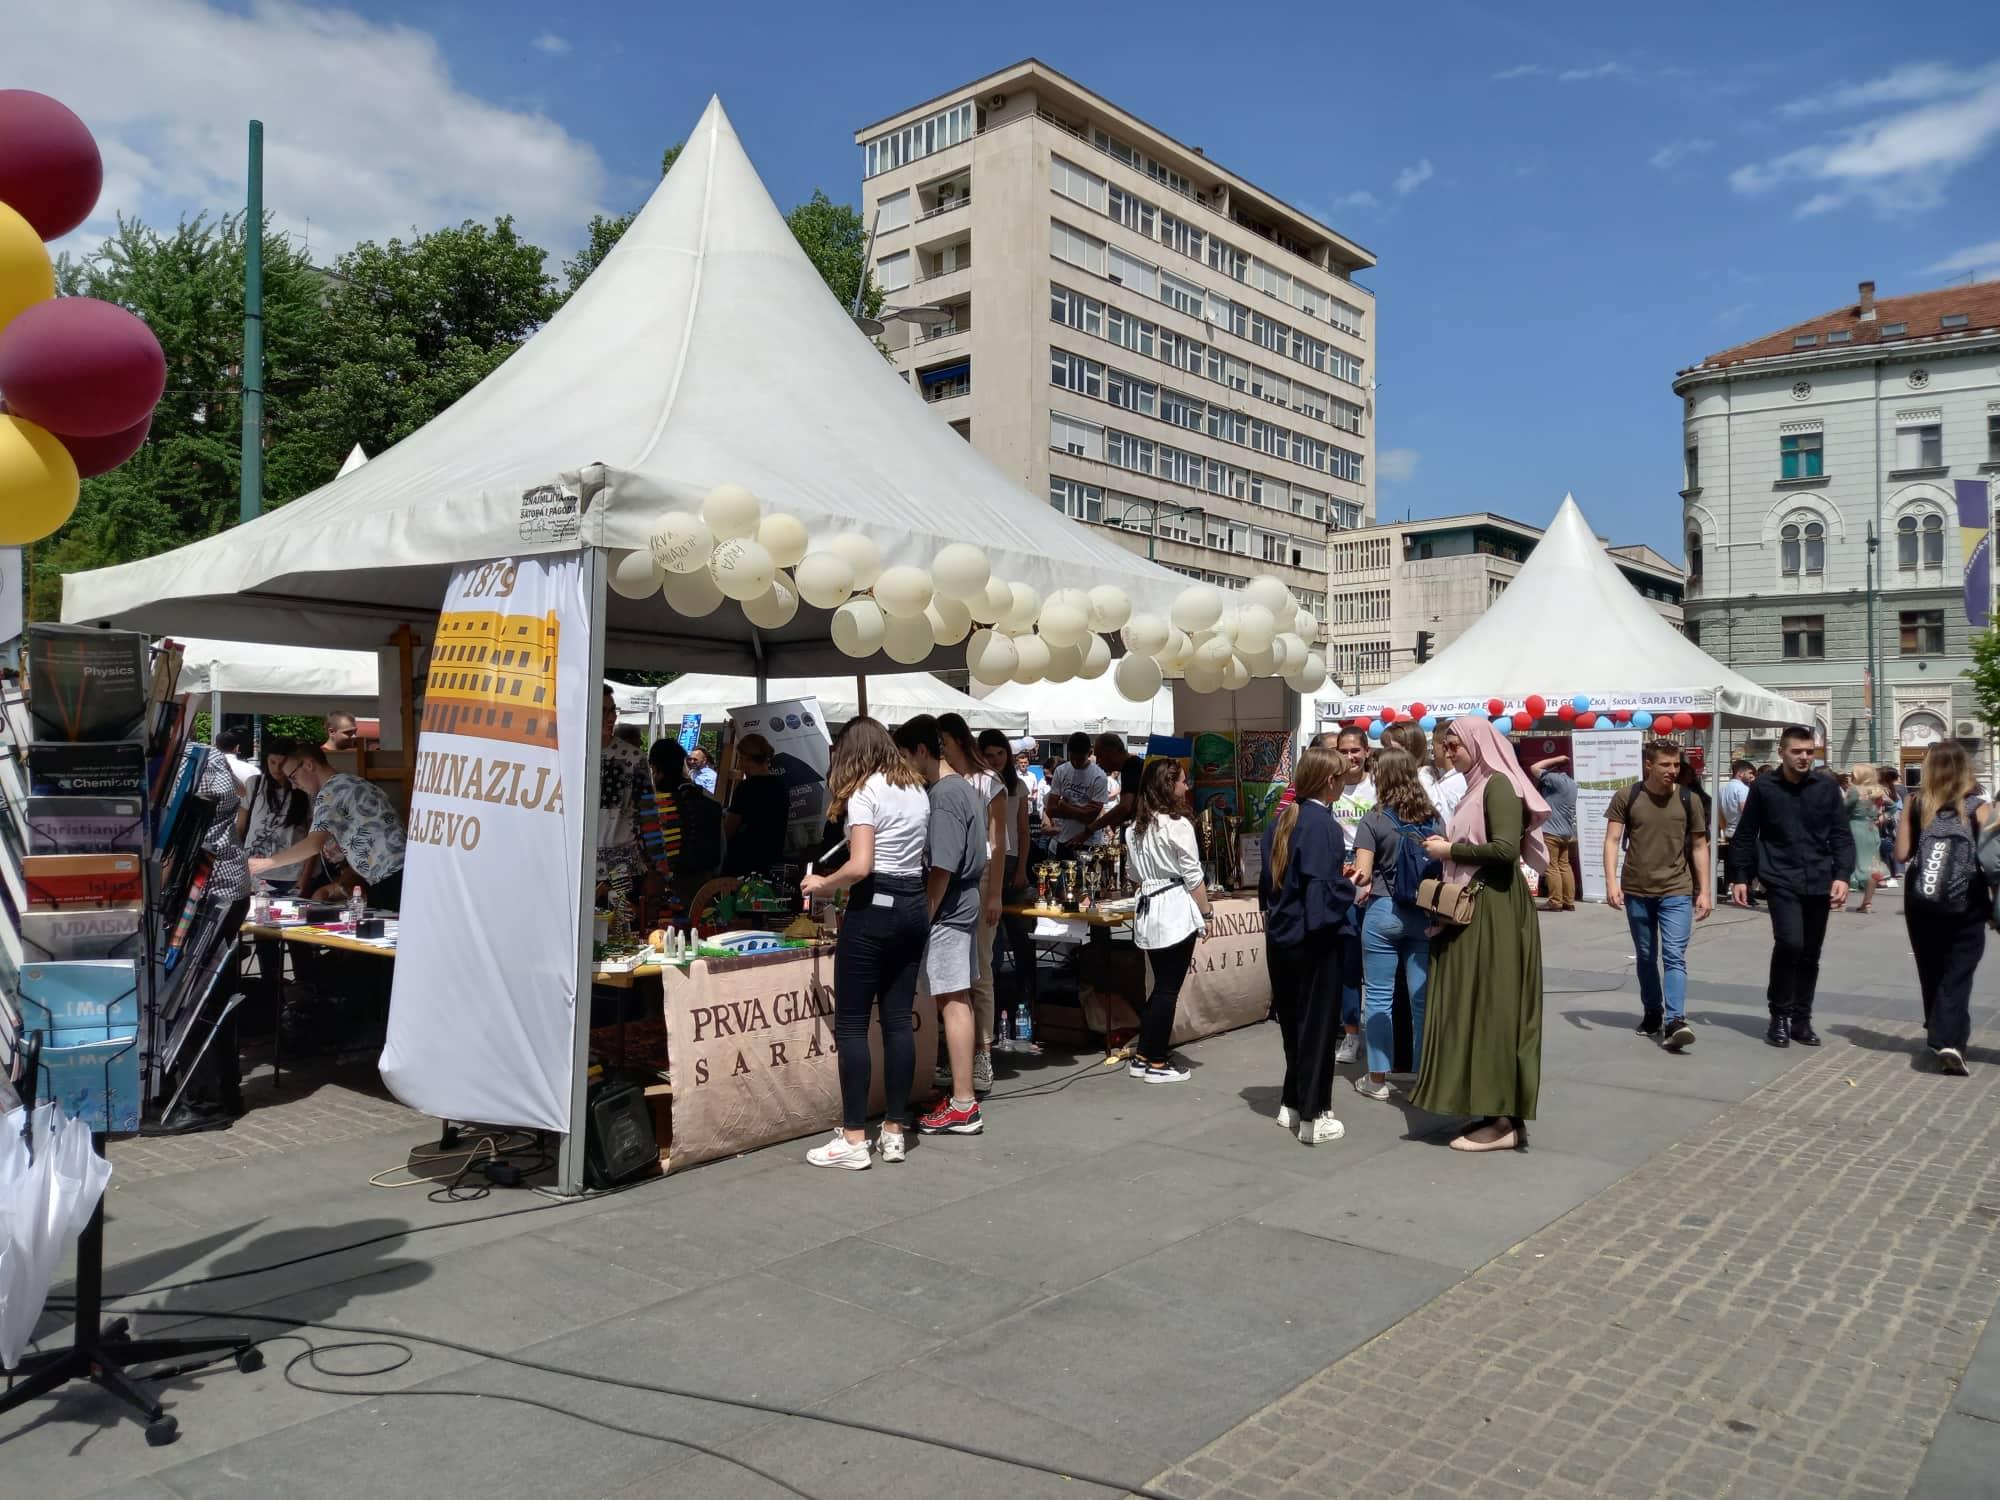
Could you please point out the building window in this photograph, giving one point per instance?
(1894, 330)
(1954, 320)
(1123, 390)
(1802, 548)
(892, 272)
(894, 211)
(1923, 632)
(914, 142)
(1181, 296)
(1919, 542)
(1072, 372)
(1075, 499)
(1074, 310)
(1074, 183)
(1805, 341)
(1805, 637)
(1693, 560)
(1076, 247)
(1129, 270)
(1843, 336)
(1692, 469)
(1799, 455)
(1692, 630)
(1133, 213)
(1993, 438)
(1068, 435)
(1920, 447)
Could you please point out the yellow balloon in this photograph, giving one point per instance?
(26, 274)
(38, 483)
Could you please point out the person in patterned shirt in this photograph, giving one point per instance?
(624, 782)
(353, 822)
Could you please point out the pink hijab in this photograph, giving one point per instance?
(1493, 756)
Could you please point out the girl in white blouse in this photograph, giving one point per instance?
(1173, 915)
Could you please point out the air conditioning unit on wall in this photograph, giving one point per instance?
(1968, 729)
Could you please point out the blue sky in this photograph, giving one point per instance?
(1569, 202)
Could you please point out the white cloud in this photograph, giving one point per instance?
(1984, 257)
(1522, 70)
(552, 44)
(1898, 162)
(1588, 75)
(1359, 198)
(1731, 314)
(366, 134)
(1396, 465)
(1674, 153)
(1411, 178)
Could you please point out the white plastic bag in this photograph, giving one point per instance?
(45, 1201)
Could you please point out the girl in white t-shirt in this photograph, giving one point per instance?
(881, 943)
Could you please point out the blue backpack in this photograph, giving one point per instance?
(1412, 866)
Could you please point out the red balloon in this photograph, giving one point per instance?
(1493, 707)
(50, 171)
(1417, 710)
(81, 366)
(1566, 712)
(1704, 721)
(1586, 720)
(1523, 719)
(1536, 705)
(100, 455)
(1387, 716)
(1621, 715)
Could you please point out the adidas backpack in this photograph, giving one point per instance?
(1944, 870)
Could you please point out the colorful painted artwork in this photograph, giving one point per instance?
(1260, 804)
(1264, 755)
(1214, 755)
(1221, 796)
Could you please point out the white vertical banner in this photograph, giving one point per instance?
(11, 612)
(1603, 760)
(482, 1017)
(801, 752)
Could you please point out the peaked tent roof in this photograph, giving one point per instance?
(892, 698)
(1092, 705)
(260, 679)
(704, 349)
(1620, 647)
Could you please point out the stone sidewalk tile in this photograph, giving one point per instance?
(309, 1111)
(1781, 1306)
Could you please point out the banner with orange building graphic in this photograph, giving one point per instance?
(482, 1014)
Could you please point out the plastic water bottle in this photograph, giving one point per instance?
(1024, 1024)
(356, 908)
(1003, 1041)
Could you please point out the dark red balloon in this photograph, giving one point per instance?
(50, 171)
(1417, 710)
(1536, 704)
(1387, 716)
(1586, 720)
(100, 455)
(1493, 707)
(1523, 719)
(1566, 712)
(80, 366)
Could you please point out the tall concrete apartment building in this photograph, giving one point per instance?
(1798, 445)
(1406, 586)
(1148, 339)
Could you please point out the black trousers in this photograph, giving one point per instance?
(875, 963)
(1156, 1022)
(1947, 951)
(1798, 931)
(1319, 968)
(1019, 933)
(1281, 963)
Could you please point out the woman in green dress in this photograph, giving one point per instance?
(1483, 1031)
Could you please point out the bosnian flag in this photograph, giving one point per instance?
(1975, 522)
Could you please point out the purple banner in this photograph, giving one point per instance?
(1975, 538)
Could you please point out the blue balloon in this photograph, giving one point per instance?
(1374, 729)
(1641, 719)
(1427, 723)
(1581, 703)
(1503, 722)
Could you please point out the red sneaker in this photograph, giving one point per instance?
(948, 1118)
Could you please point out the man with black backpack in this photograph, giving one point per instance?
(1662, 888)
(1794, 836)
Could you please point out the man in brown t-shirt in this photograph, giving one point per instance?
(1663, 889)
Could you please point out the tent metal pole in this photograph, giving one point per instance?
(757, 650)
(214, 714)
(569, 1162)
(1717, 773)
(860, 695)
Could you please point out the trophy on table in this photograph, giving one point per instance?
(1044, 872)
(1093, 879)
(1208, 832)
(1232, 851)
(1069, 885)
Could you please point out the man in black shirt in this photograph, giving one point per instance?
(1793, 835)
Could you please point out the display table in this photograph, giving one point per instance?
(320, 937)
(751, 1054)
(1227, 987)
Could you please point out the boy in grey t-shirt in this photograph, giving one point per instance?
(957, 861)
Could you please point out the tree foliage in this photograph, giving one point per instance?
(1984, 674)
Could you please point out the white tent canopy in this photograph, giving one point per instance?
(1570, 623)
(704, 349)
(257, 679)
(1094, 706)
(892, 698)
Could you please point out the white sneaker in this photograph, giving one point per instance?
(1369, 1088)
(1136, 1068)
(982, 1072)
(1951, 1061)
(841, 1152)
(1325, 1128)
(891, 1146)
(1166, 1073)
(1288, 1118)
(1349, 1048)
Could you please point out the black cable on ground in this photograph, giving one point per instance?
(399, 1337)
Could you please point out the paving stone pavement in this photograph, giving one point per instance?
(1782, 1306)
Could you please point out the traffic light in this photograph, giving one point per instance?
(1423, 647)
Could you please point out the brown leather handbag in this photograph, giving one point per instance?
(1451, 902)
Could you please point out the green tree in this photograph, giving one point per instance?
(187, 284)
(1984, 674)
(606, 232)
(411, 326)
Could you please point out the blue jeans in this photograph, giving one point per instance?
(1661, 927)
(1392, 935)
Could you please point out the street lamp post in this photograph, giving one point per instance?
(1872, 669)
